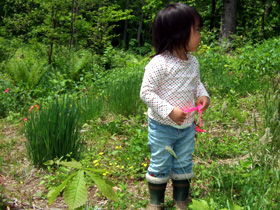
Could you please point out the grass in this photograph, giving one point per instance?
(230, 163)
(235, 162)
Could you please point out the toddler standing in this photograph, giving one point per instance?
(171, 84)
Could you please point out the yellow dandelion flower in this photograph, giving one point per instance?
(110, 164)
(122, 166)
(117, 147)
(145, 165)
(127, 158)
(95, 161)
(104, 174)
(101, 153)
(96, 164)
(131, 167)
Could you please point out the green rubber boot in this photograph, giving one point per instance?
(156, 196)
(181, 193)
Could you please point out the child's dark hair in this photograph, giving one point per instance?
(172, 27)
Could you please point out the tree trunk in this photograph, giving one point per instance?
(140, 24)
(125, 25)
(212, 15)
(52, 36)
(72, 26)
(228, 23)
(267, 9)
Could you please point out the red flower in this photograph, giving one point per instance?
(6, 91)
(38, 107)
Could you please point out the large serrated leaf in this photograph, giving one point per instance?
(199, 205)
(95, 170)
(75, 194)
(104, 186)
(53, 193)
(72, 164)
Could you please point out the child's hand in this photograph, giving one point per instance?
(204, 101)
(177, 115)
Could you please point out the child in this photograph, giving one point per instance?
(171, 83)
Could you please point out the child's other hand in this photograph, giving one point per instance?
(204, 101)
(177, 115)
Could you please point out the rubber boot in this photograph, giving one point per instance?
(156, 196)
(181, 193)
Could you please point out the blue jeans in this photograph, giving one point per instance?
(163, 164)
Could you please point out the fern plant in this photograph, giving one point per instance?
(26, 70)
(75, 192)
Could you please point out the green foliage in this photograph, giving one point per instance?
(123, 93)
(12, 98)
(54, 131)
(75, 185)
(75, 193)
(26, 69)
(272, 113)
(211, 205)
(7, 48)
(242, 73)
(91, 107)
(106, 18)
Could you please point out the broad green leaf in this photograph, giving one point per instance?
(53, 193)
(76, 194)
(199, 205)
(95, 170)
(104, 186)
(234, 207)
(73, 164)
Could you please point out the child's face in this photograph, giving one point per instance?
(194, 39)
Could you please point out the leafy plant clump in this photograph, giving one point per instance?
(75, 187)
(54, 131)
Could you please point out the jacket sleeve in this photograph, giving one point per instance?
(154, 75)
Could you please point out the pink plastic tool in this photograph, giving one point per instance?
(198, 109)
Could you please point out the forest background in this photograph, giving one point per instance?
(90, 55)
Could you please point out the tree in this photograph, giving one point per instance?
(228, 23)
(140, 24)
(75, 6)
(125, 24)
(212, 18)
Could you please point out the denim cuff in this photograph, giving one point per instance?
(182, 176)
(157, 180)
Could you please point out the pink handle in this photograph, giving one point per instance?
(198, 109)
